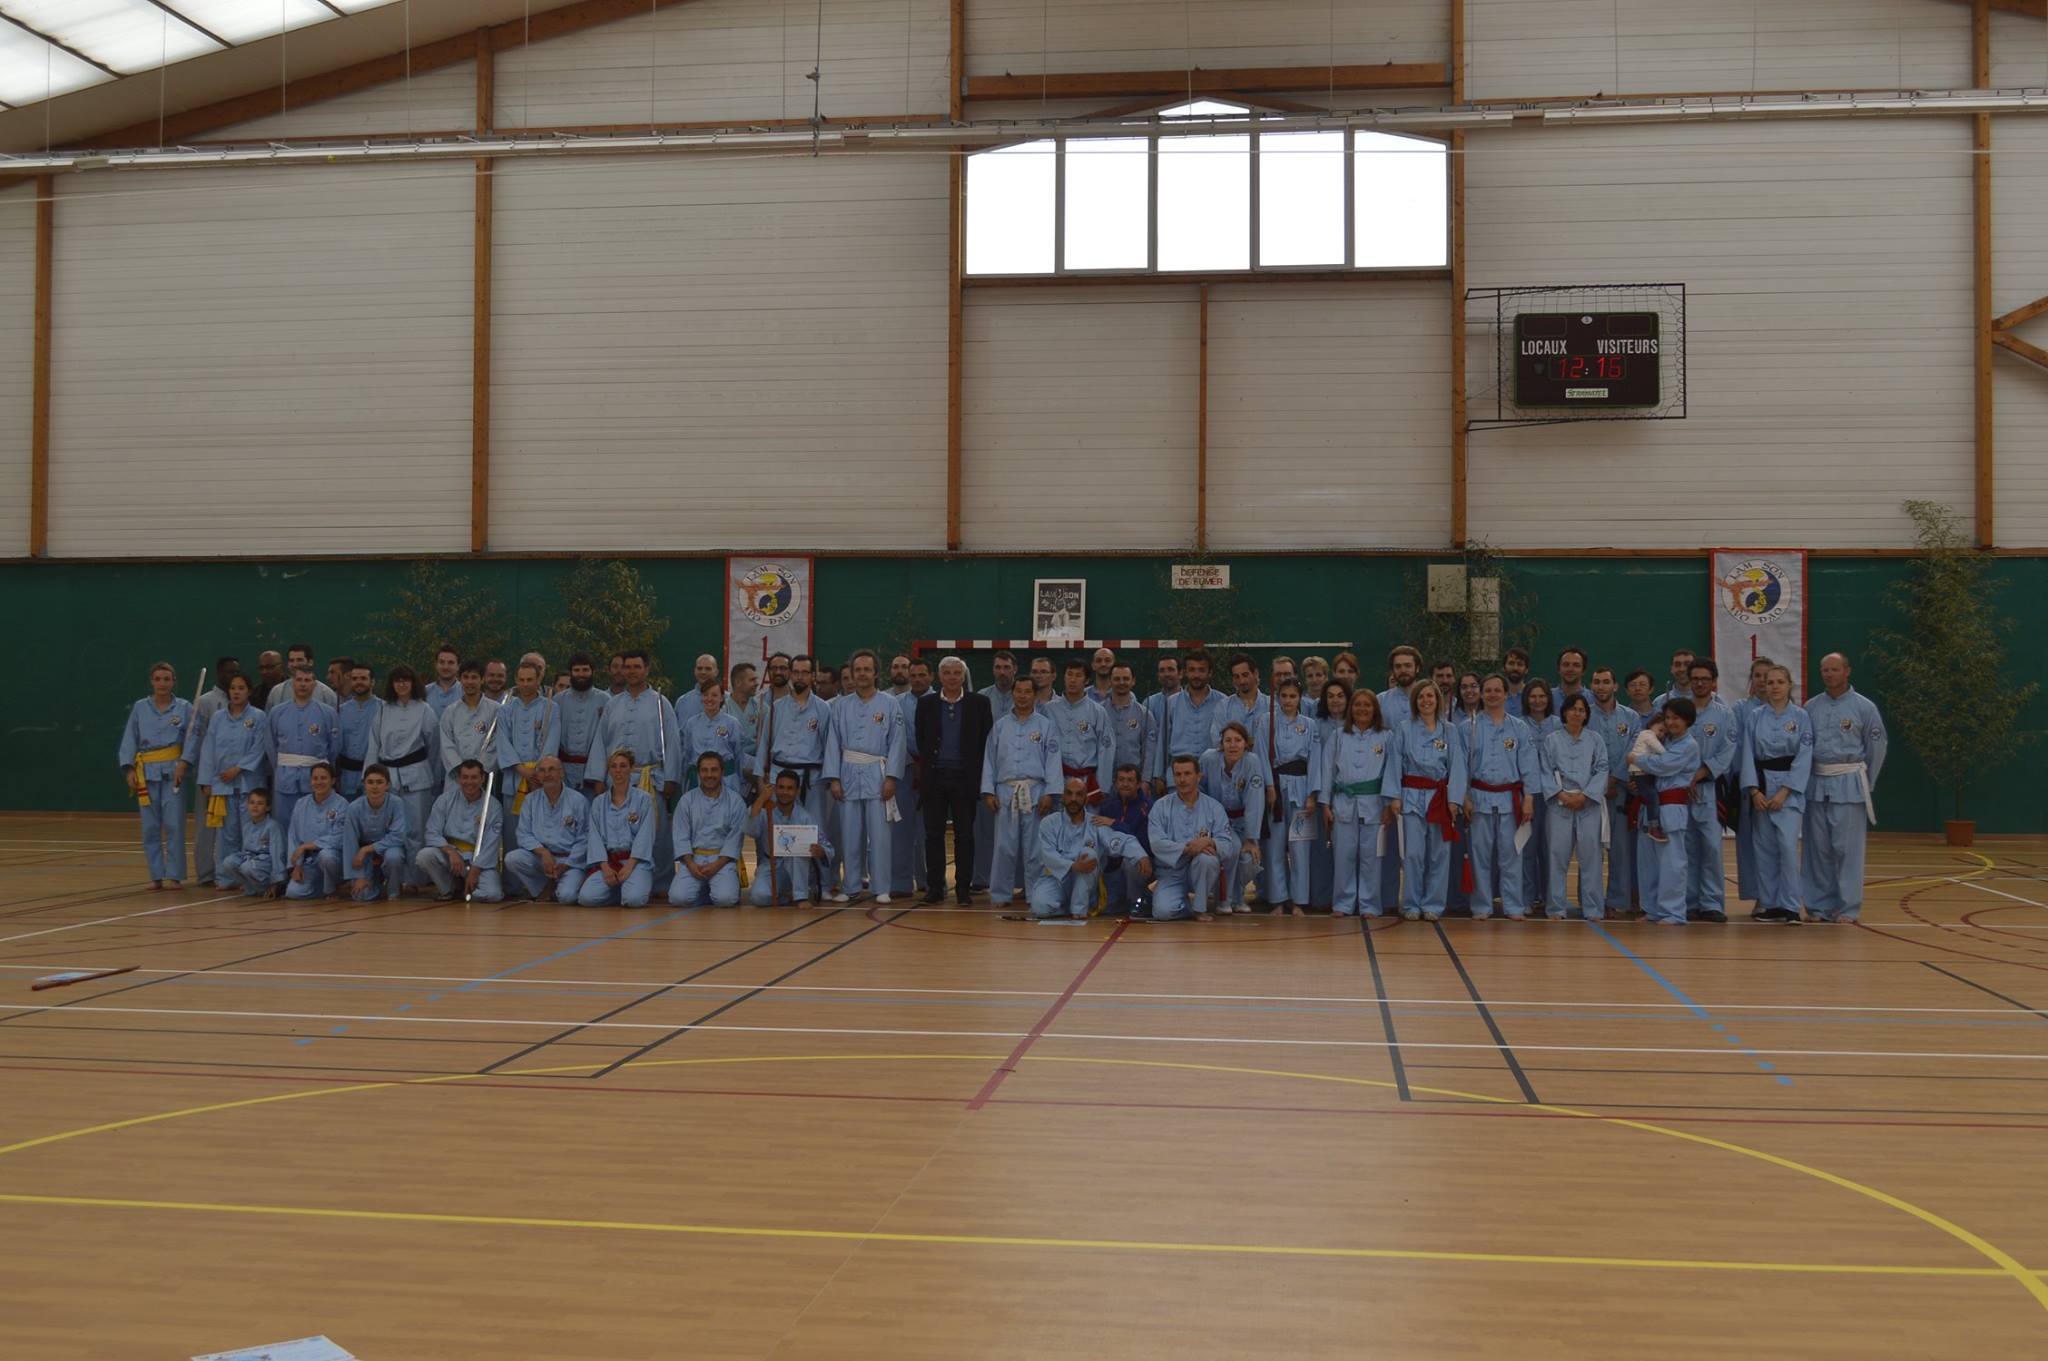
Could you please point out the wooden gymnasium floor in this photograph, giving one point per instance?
(446, 1133)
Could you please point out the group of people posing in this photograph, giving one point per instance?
(1305, 789)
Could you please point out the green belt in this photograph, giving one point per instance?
(1357, 788)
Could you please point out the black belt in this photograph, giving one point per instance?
(349, 762)
(1298, 766)
(399, 762)
(1774, 762)
(573, 758)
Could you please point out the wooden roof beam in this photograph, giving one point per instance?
(1216, 81)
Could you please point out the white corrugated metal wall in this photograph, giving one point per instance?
(729, 353)
(262, 361)
(679, 342)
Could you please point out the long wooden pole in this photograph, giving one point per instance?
(480, 307)
(1983, 321)
(956, 270)
(1459, 437)
(39, 402)
(1202, 424)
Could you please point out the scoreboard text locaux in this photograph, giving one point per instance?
(1586, 360)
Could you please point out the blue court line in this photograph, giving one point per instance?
(1679, 995)
(543, 959)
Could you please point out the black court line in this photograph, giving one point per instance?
(1992, 992)
(1815, 1074)
(1788, 1114)
(1500, 1040)
(716, 1012)
(1379, 989)
(236, 1033)
(662, 991)
(246, 934)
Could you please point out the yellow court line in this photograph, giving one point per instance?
(1985, 865)
(1008, 1241)
(2005, 1262)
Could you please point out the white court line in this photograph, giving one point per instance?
(1630, 1005)
(79, 926)
(1971, 883)
(1744, 1052)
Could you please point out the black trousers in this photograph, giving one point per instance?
(948, 793)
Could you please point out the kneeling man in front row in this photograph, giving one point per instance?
(463, 835)
(1192, 840)
(1072, 847)
(554, 828)
(709, 821)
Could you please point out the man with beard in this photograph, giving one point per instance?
(578, 712)
(1103, 664)
(864, 760)
(906, 834)
(1190, 725)
(1072, 849)
(358, 711)
(496, 680)
(446, 686)
(793, 738)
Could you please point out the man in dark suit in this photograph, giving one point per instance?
(952, 729)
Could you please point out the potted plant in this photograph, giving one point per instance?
(1951, 643)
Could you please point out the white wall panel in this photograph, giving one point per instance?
(17, 359)
(705, 353)
(712, 60)
(2019, 195)
(436, 101)
(1829, 275)
(1546, 48)
(1329, 415)
(1018, 36)
(1079, 418)
(2019, 51)
(262, 361)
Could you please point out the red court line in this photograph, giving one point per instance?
(1474, 1113)
(1009, 1065)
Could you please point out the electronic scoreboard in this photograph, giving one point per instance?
(1586, 360)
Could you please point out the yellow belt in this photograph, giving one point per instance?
(144, 760)
(519, 796)
(466, 847)
(217, 811)
(645, 779)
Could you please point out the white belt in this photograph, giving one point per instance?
(1020, 794)
(863, 758)
(1862, 773)
(292, 758)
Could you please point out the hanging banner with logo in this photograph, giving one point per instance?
(767, 608)
(1759, 602)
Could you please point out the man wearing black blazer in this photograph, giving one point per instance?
(952, 729)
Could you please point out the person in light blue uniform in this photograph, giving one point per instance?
(864, 753)
(619, 849)
(1573, 765)
(1167, 677)
(710, 821)
(353, 718)
(1745, 825)
(1848, 752)
(1662, 863)
(315, 838)
(640, 721)
(1361, 779)
(1431, 753)
(528, 729)
(997, 693)
(1503, 778)
(302, 735)
(1072, 850)
(1019, 769)
(1706, 890)
(215, 820)
(708, 725)
(258, 863)
(1087, 747)
(154, 758)
(465, 832)
(554, 829)
(1617, 725)
(1776, 768)
(1464, 707)
(784, 881)
(906, 834)
(1187, 722)
(405, 738)
(1246, 703)
(373, 837)
(1238, 778)
(1539, 713)
(793, 738)
(578, 712)
(1333, 706)
(446, 686)
(1404, 668)
(1294, 746)
(1133, 732)
(466, 727)
(1192, 840)
(234, 760)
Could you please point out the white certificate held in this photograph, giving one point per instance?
(794, 840)
(1302, 826)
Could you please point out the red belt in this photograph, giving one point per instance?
(1514, 789)
(618, 858)
(1634, 807)
(573, 758)
(1084, 773)
(1439, 810)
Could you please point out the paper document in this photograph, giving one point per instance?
(794, 840)
(1303, 827)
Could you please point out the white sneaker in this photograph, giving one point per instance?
(841, 898)
(882, 899)
(1242, 909)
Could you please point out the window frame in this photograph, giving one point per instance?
(1152, 127)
